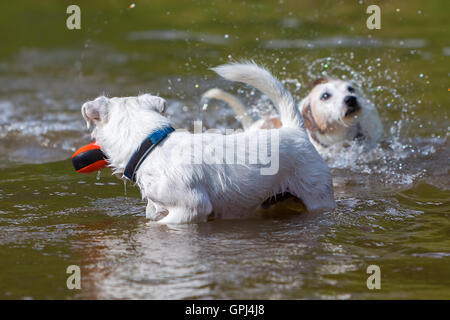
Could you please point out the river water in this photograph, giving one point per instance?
(393, 202)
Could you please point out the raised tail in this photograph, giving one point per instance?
(258, 77)
(236, 104)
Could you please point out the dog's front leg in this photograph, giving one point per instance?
(196, 207)
(154, 212)
(184, 215)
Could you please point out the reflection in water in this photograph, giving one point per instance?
(213, 260)
(275, 257)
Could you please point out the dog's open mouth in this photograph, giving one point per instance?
(352, 110)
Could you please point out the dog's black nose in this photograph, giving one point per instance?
(350, 101)
(352, 105)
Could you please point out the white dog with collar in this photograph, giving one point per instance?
(182, 190)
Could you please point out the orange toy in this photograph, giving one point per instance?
(89, 158)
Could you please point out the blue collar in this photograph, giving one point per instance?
(144, 150)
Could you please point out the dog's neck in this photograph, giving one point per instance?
(316, 139)
(122, 137)
(146, 147)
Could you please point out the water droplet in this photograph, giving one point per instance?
(226, 36)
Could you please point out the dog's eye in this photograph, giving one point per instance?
(351, 89)
(325, 96)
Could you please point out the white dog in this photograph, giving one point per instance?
(137, 138)
(333, 113)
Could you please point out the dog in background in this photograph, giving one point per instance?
(333, 114)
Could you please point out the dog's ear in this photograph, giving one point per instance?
(317, 82)
(154, 102)
(161, 105)
(95, 111)
(307, 115)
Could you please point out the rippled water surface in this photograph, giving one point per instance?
(393, 202)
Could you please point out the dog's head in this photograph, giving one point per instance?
(121, 124)
(331, 108)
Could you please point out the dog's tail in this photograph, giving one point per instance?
(236, 104)
(258, 77)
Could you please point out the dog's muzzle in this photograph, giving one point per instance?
(352, 105)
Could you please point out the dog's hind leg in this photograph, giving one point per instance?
(312, 191)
